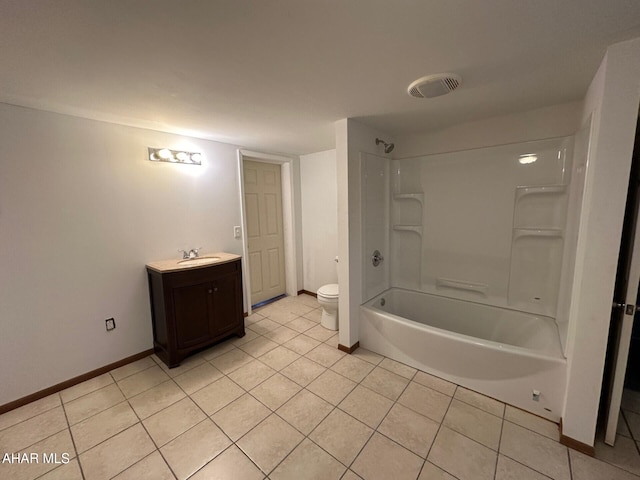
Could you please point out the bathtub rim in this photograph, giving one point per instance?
(468, 339)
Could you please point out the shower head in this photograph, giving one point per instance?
(388, 147)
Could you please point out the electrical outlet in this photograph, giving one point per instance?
(110, 324)
(237, 232)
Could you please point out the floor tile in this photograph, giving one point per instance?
(193, 449)
(410, 429)
(92, 403)
(279, 357)
(398, 368)
(341, 435)
(305, 411)
(252, 374)
(318, 332)
(368, 356)
(331, 387)
(314, 315)
(349, 475)
(535, 451)
(69, 471)
(156, 399)
(462, 457)
(240, 416)
(353, 368)
(435, 383)
(258, 347)
(584, 467)
(631, 400)
(57, 444)
(303, 371)
(632, 423)
(382, 459)
(508, 469)
(325, 355)
(481, 401)
(281, 335)
(385, 383)
(152, 467)
(366, 405)
(141, 381)
(116, 454)
(248, 336)
(198, 377)
(29, 410)
(217, 395)
(623, 428)
(24, 434)
(218, 350)
(264, 326)
(131, 368)
(185, 365)
(431, 472)
(474, 423)
(270, 442)
(301, 344)
(301, 324)
(93, 430)
(623, 455)
(425, 401)
(310, 462)
(167, 424)
(84, 388)
(275, 391)
(333, 341)
(231, 464)
(282, 317)
(230, 361)
(532, 422)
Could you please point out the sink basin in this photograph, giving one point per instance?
(188, 262)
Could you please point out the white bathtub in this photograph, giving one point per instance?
(502, 353)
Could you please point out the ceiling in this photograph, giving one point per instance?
(275, 75)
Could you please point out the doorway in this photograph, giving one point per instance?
(265, 231)
(288, 219)
(622, 374)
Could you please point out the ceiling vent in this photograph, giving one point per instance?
(434, 85)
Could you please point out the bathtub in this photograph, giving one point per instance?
(502, 353)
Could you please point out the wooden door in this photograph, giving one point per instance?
(227, 310)
(192, 307)
(265, 233)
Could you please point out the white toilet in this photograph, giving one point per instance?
(328, 299)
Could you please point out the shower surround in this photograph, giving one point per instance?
(479, 247)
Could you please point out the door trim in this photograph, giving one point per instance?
(288, 221)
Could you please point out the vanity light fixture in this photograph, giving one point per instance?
(174, 156)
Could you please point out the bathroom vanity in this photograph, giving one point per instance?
(195, 303)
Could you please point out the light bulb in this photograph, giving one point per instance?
(164, 153)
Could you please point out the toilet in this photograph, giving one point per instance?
(328, 299)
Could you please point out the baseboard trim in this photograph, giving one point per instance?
(575, 444)
(350, 349)
(71, 382)
(300, 292)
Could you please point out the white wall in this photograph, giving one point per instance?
(612, 102)
(81, 212)
(319, 207)
(352, 138)
(553, 121)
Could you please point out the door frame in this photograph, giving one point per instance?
(288, 221)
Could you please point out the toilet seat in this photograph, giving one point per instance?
(329, 291)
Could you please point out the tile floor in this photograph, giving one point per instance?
(284, 403)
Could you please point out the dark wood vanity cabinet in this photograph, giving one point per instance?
(194, 308)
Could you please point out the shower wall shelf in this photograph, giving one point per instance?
(418, 197)
(408, 228)
(537, 232)
(462, 285)
(539, 190)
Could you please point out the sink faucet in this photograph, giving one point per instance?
(193, 253)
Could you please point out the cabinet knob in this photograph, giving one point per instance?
(215, 289)
(210, 291)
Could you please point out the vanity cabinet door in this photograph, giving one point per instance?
(227, 310)
(192, 310)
